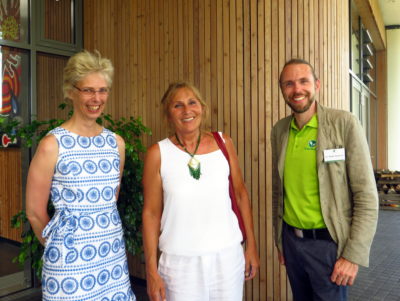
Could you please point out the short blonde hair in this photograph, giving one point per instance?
(84, 63)
(169, 95)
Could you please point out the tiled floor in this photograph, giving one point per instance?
(381, 281)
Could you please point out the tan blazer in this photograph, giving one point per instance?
(348, 195)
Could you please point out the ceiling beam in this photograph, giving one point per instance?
(371, 17)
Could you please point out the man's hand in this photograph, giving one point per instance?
(344, 272)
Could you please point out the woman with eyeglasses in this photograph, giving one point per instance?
(80, 164)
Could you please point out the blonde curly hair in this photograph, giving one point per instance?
(84, 63)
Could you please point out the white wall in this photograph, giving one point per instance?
(393, 61)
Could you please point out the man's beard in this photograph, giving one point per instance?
(303, 109)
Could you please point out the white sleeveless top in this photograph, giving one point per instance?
(197, 216)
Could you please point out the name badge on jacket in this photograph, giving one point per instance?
(333, 155)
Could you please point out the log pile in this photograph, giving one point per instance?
(388, 185)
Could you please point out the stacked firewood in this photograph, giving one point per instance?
(388, 185)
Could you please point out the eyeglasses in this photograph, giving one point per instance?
(90, 92)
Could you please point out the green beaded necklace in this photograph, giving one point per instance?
(193, 164)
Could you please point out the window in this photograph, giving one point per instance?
(363, 78)
(36, 39)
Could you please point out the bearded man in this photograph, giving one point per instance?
(324, 193)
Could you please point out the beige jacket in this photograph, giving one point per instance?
(348, 195)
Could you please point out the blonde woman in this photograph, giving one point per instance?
(80, 165)
(187, 210)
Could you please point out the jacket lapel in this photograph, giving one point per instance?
(322, 134)
(283, 144)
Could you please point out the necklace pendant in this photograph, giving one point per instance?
(194, 168)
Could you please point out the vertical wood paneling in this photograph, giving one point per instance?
(219, 102)
(251, 287)
(266, 242)
(261, 225)
(233, 72)
(207, 54)
(240, 83)
(133, 58)
(50, 72)
(57, 22)
(382, 131)
(300, 27)
(293, 27)
(316, 45)
(226, 98)
(325, 65)
(10, 191)
(306, 30)
(282, 46)
(214, 66)
(199, 52)
(233, 51)
(312, 33)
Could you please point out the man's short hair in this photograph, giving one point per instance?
(297, 61)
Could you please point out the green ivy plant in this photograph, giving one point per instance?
(130, 200)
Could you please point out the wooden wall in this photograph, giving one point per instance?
(49, 94)
(10, 191)
(233, 50)
(57, 21)
(382, 114)
(49, 73)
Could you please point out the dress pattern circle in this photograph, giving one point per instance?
(105, 166)
(90, 166)
(53, 254)
(52, 286)
(93, 195)
(88, 282)
(84, 257)
(86, 223)
(84, 141)
(103, 221)
(67, 141)
(103, 277)
(111, 141)
(107, 193)
(69, 285)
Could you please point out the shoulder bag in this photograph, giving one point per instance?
(235, 207)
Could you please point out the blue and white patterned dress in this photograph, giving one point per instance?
(85, 258)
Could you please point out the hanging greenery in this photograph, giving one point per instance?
(130, 200)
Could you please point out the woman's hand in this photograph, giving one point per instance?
(155, 287)
(252, 262)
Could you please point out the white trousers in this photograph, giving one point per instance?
(216, 276)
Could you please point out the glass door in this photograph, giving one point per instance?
(36, 38)
(14, 106)
(360, 105)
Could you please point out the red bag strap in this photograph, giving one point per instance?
(235, 207)
(221, 144)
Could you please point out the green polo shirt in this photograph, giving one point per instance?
(302, 208)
